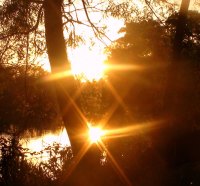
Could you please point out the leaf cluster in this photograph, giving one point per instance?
(191, 41)
(25, 101)
(17, 169)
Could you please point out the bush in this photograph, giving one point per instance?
(16, 169)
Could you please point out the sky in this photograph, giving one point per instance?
(94, 56)
(86, 56)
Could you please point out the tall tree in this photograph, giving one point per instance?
(180, 28)
(22, 23)
(65, 88)
(177, 68)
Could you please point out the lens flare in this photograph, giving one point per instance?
(95, 134)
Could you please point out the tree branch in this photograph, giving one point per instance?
(148, 3)
(94, 28)
(28, 31)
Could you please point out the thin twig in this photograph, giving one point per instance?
(28, 31)
(150, 7)
(94, 28)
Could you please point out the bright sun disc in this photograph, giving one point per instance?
(95, 134)
(87, 65)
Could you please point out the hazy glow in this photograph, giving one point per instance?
(87, 64)
(124, 67)
(87, 60)
(56, 76)
(132, 129)
(43, 60)
(95, 134)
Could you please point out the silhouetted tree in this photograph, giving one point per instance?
(180, 28)
(22, 22)
(22, 31)
(147, 92)
(17, 166)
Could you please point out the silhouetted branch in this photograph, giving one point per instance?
(28, 31)
(96, 31)
(4, 49)
(180, 28)
(148, 3)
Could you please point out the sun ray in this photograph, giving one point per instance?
(109, 114)
(68, 97)
(115, 94)
(58, 75)
(132, 129)
(114, 133)
(123, 67)
(118, 98)
(73, 103)
(76, 161)
(116, 166)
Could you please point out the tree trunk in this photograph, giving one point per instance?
(178, 96)
(176, 87)
(88, 170)
(65, 87)
(180, 29)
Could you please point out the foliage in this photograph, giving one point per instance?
(146, 51)
(20, 21)
(191, 41)
(17, 169)
(93, 100)
(17, 16)
(153, 158)
(143, 53)
(140, 10)
(26, 101)
(147, 92)
(143, 42)
(23, 23)
(58, 162)
(22, 26)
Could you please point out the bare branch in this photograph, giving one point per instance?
(5, 48)
(148, 3)
(96, 31)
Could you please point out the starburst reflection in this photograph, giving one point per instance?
(58, 75)
(95, 134)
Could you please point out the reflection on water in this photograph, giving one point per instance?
(38, 144)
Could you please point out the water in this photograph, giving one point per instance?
(38, 144)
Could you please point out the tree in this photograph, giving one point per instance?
(176, 80)
(148, 97)
(180, 28)
(22, 22)
(144, 51)
(59, 63)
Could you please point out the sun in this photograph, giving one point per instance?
(88, 59)
(95, 134)
(86, 64)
